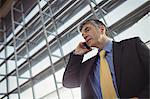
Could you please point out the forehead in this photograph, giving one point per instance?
(85, 25)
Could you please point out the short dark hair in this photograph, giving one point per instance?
(98, 22)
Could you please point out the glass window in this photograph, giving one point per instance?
(13, 84)
(2, 54)
(1, 96)
(10, 50)
(1, 77)
(11, 65)
(13, 96)
(3, 87)
(40, 66)
(122, 10)
(27, 94)
(3, 69)
(46, 86)
(140, 29)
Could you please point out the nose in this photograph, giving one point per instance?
(84, 34)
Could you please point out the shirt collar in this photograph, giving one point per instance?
(107, 47)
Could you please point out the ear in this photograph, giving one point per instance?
(101, 28)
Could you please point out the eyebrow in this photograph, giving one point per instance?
(85, 29)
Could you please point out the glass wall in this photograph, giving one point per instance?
(34, 56)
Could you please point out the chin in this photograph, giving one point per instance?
(91, 45)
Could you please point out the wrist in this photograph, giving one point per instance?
(75, 52)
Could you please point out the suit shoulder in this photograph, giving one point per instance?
(130, 40)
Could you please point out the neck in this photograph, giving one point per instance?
(103, 42)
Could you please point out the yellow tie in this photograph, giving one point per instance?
(106, 82)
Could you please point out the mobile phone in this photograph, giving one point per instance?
(86, 45)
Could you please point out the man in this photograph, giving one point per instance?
(127, 61)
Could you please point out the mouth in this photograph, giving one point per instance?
(87, 40)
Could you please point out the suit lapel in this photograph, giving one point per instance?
(87, 66)
(117, 61)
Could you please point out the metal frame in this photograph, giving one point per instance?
(15, 52)
(47, 46)
(3, 30)
(14, 22)
(27, 48)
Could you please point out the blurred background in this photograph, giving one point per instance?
(36, 37)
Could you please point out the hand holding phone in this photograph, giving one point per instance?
(82, 48)
(86, 45)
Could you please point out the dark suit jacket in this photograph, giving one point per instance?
(131, 63)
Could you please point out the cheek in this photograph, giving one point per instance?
(97, 36)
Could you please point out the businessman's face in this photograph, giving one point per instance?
(93, 35)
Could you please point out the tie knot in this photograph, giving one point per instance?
(102, 53)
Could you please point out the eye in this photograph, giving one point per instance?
(87, 29)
